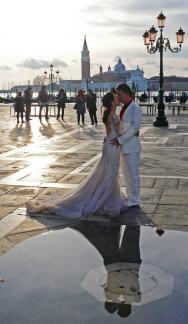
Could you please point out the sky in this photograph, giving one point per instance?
(36, 33)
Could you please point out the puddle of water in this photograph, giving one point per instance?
(96, 273)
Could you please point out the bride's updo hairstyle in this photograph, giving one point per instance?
(107, 104)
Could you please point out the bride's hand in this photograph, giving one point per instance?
(114, 142)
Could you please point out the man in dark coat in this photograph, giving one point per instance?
(43, 99)
(61, 100)
(91, 106)
(19, 106)
(28, 100)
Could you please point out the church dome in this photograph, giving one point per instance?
(119, 67)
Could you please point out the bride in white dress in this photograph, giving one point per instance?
(100, 193)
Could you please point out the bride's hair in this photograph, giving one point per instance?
(107, 103)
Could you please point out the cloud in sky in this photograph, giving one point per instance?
(95, 65)
(133, 5)
(60, 63)
(132, 17)
(114, 22)
(34, 64)
(116, 58)
(5, 67)
(156, 65)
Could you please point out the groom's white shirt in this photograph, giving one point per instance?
(131, 121)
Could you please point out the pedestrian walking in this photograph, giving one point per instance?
(28, 101)
(19, 107)
(80, 106)
(61, 100)
(91, 106)
(43, 99)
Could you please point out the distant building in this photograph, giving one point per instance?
(104, 81)
(170, 83)
(119, 74)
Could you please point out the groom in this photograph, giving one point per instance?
(129, 141)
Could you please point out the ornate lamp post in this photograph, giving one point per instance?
(162, 43)
(51, 77)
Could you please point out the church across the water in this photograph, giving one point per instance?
(105, 79)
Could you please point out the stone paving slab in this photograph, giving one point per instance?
(175, 192)
(147, 182)
(166, 183)
(172, 209)
(24, 191)
(20, 237)
(151, 192)
(4, 211)
(147, 199)
(183, 184)
(28, 225)
(168, 200)
(5, 245)
(175, 219)
(4, 189)
(51, 191)
(5, 174)
(13, 200)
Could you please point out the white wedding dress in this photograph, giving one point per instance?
(99, 194)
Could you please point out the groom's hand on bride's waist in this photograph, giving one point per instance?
(114, 142)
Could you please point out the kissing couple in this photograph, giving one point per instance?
(100, 193)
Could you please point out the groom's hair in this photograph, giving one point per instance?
(126, 89)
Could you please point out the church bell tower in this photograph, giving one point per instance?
(85, 61)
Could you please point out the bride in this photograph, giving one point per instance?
(100, 193)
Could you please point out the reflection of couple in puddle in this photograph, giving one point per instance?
(119, 248)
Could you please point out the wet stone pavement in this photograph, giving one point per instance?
(55, 271)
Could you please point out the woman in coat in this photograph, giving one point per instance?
(61, 100)
(19, 106)
(80, 106)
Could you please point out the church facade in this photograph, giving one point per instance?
(105, 80)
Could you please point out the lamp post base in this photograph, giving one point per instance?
(160, 122)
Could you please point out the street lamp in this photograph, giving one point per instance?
(162, 43)
(51, 77)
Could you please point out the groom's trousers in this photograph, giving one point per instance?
(130, 168)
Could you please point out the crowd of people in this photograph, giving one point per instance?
(83, 102)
